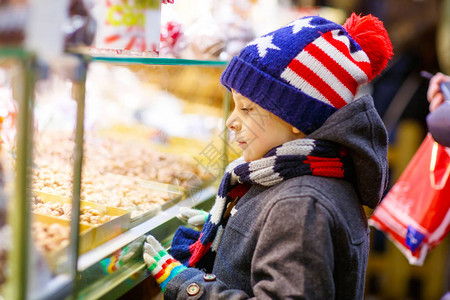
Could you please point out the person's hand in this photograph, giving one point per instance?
(434, 94)
(192, 216)
(160, 263)
(130, 252)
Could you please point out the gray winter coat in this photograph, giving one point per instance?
(306, 237)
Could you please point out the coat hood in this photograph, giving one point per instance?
(359, 127)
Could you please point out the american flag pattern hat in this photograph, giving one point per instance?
(309, 69)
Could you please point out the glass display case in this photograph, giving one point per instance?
(107, 150)
(13, 65)
(30, 238)
(155, 140)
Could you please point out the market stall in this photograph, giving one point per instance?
(98, 149)
(134, 178)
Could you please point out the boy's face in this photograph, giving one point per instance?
(256, 129)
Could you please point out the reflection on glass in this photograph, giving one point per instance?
(51, 178)
(153, 135)
(8, 125)
(4, 228)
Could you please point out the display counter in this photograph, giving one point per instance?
(111, 149)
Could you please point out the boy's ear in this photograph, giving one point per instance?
(295, 130)
(298, 133)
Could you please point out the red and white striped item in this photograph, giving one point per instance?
(327, 70)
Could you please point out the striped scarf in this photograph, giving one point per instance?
(291, 159)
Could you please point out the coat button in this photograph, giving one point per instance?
(209, 277)
(193, 289)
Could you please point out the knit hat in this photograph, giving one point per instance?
(309, 69)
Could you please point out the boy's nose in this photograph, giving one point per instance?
(233, 123)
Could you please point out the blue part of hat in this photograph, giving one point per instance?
(289, 42)
(257, 75)
(288, 103)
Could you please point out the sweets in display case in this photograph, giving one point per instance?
(49, 237)
(98, 223)
(129, 175)
(88, 214)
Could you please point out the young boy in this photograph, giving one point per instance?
(288, 221)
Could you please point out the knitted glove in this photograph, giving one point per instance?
(128, 253)
(195, 217)
(160, 263)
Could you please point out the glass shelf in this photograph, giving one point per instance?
(20, 52)
(159, 61)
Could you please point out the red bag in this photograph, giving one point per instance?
(415, 214)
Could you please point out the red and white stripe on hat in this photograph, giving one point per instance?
(327, 70)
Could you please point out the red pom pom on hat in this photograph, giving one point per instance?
(368, 31)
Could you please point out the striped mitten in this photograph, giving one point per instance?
(160, 263)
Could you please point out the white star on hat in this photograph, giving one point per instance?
(263, 43)
(299, 24)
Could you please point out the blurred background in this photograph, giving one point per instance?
(218, 29)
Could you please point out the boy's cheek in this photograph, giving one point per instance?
(254, 150)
